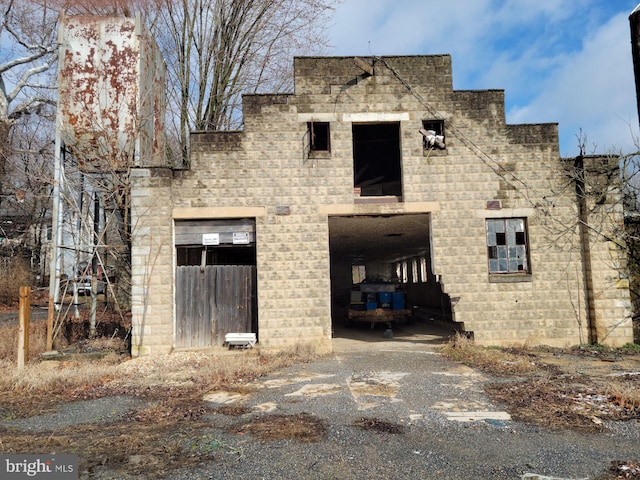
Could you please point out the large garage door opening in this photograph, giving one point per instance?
(382, 276)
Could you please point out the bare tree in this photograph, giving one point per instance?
(630, 168)
(25, 85)
(28, 176)
(218, 50)
(27, 33)
(607, 224)
(214, 52)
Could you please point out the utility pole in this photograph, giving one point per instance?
(56, 237)
(94, 264)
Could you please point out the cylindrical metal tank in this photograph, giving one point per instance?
(110, 93)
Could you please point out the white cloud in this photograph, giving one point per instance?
(592, 90)
(557, 61)
(392, 27)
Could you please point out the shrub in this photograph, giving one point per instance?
(13, 274)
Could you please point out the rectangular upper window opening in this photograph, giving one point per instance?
(377, 160)
(319, 136)
(507, 245)
(433, 135)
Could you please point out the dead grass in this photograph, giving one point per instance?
(555, 395)
(9, 340)
(380, 426)
(167, 432)
(233, 410)
(621, 469)
(201, 370)
(301, 427)
(41, 384)
(495, 360)
(164, 435)
(12, 276)
(149, 448)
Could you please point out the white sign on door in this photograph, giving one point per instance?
(210, 239)
(240, 238)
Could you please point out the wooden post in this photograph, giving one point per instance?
(50, 313)
(24, 315)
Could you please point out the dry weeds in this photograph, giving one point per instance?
(547, 392)
(301, 427)
(153, 448)
(495, 360)
(621, 469)
(167, 433)
(154, 439)
(12, 276)
(9, 342)
(380, 426)
(233, 410)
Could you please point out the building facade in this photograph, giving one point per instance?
(376, 175)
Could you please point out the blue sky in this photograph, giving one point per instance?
(567, 62)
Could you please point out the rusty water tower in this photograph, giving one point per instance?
(110, 118)
(111, 91)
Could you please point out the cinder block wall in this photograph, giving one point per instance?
(610, 307)
(152, 262)
(266, 166)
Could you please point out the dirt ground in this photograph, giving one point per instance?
(159, 429)
(574, 388)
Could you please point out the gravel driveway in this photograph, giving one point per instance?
(392, 409)
(450, 429)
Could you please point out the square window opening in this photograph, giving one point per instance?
(433, 135)
(319, 136)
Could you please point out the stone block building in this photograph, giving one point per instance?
(374, 176)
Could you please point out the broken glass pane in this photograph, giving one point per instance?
(491, 239)
(513, 265)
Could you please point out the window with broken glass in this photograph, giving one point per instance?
(507, 245)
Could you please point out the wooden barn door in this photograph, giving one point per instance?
(211, 303)
(216, 285)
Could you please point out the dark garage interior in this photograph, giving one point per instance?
(383, 263)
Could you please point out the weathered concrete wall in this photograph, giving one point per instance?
(606, 265)
(152, 261)
(251, 173)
